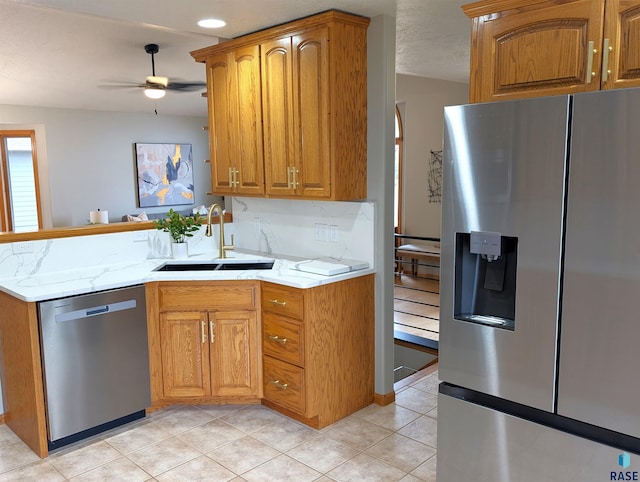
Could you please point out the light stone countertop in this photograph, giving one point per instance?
(59, 284)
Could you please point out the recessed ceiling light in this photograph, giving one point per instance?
(211, 23)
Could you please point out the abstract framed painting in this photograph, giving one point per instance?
(164, 174)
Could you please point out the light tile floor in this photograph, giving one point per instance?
(248, 443)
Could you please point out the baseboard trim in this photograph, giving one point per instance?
(383, 400)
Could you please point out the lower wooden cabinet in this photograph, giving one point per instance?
(204, 341)
(318, 346)
(307, 353)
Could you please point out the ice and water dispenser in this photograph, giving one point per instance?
(485, 278)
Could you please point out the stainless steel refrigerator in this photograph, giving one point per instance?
(540, 290)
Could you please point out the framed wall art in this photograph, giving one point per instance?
(164, 174)
(435, 177)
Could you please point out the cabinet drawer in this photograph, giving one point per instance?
(283, 339)
(284, 384)
(189, 297)
(282, 300)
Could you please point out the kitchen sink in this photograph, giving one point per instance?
(245, 265)
(216, 266)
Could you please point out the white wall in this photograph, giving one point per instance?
(89, 156)
(422, 102)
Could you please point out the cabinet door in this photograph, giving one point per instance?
(233, 339)
(542, 49)
(247, 120)
(311, 112)
(185, 354)
(221, 99)
(277, 108)
(235, 122)
(622, 44)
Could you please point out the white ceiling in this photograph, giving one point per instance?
(57, 53)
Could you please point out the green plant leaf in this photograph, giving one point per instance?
(178, 225)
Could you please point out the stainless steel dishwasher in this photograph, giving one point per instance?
(95, 361)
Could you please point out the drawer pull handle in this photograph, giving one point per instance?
(278, 384)
(204, 331)
(279, 303)
(277, 339)
(212, 335)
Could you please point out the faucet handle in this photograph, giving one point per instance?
(228, 247)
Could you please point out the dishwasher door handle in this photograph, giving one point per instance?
(95, 311)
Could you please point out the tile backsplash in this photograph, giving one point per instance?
(309, 229)
(271, 226)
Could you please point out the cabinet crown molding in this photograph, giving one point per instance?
(286, 29)
(488, 7)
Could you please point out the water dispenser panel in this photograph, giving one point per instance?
(485, 278)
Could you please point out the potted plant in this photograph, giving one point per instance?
(179, 227)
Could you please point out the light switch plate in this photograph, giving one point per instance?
(322, 232)
(334, 233)
(23, 247)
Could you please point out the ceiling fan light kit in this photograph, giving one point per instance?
(154, 92)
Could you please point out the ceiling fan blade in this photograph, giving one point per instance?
(121, 85)
(186, 86)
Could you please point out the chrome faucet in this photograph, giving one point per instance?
(223, 247)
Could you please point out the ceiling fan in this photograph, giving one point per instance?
(155, 86)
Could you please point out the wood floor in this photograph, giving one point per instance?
(416, 314)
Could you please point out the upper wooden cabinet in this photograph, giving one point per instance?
(307, 114)
(527, 48)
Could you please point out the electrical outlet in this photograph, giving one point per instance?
(322, 232)
(23, 247)
(140, 236)
(334, 233)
